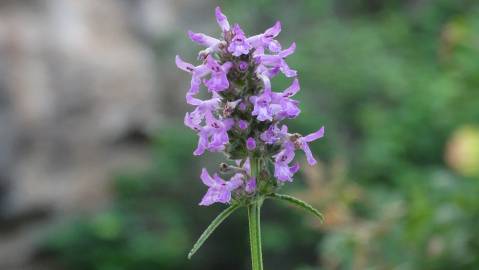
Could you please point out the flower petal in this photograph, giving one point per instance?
(315, 135)
(206, 178)
(203, 40)
(273, 31)
(222, 20)
(292, 89)
(184, 65)
(250, 185)
(308, 153)
(250, 144)
(288, 51)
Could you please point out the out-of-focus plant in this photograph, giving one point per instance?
(463, 151)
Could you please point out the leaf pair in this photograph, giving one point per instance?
(228, 211)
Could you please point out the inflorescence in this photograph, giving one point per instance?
(243, 115)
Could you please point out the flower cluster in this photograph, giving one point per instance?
(242, 115)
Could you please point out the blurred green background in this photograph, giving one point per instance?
(396, 84)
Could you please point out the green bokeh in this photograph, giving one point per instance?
(391, 81)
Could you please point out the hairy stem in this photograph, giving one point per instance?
(254, 212)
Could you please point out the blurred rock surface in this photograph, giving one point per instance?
(78, 82)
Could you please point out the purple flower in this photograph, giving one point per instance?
(262, 109)
(218, 81)
(284, 106)
(302, 142)
(282, 171)
(194, 119)
(291, 90)
(203, 40)
(242, 124)
(222, 20)
(197, 73)
(219, 190)
(274, 46)
(277, 61)
(275, 105)
(243, 66)
(274, 134)
(242, 106)
(250, 144)
(264, 40)
(266, 81)
(214, 135)
(244, 99)
(250, 186)
(212, 44)
(238, 45)
(205, 105)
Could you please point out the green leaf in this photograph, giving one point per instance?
(297, 202)
(215, 223)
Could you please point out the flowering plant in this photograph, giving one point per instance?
(242, 118)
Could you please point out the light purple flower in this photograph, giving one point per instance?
(195, 118)
(222, 20)
(238, 45)
(219, 190)
(282, 171)
(197, 72)
(284, 106)
(266, 81)
(218, 81)
(262, 109)
(243, 66)
(242, 106)
(212, 44)
(291, 90)
(203, 40)
(253, 61)
(263, 40)
(242, 124)
(275, 105)
(205, 105)
(302, 142)
(214, 135)
(274, 46)
(277, 61)
(250, 186)
(250, 144)
(287, 52)
(274, 134)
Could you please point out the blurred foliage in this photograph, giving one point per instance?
(396, 83)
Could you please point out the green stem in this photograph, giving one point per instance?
(254, 212)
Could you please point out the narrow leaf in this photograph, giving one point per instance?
(299, 203)
(215, 223)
